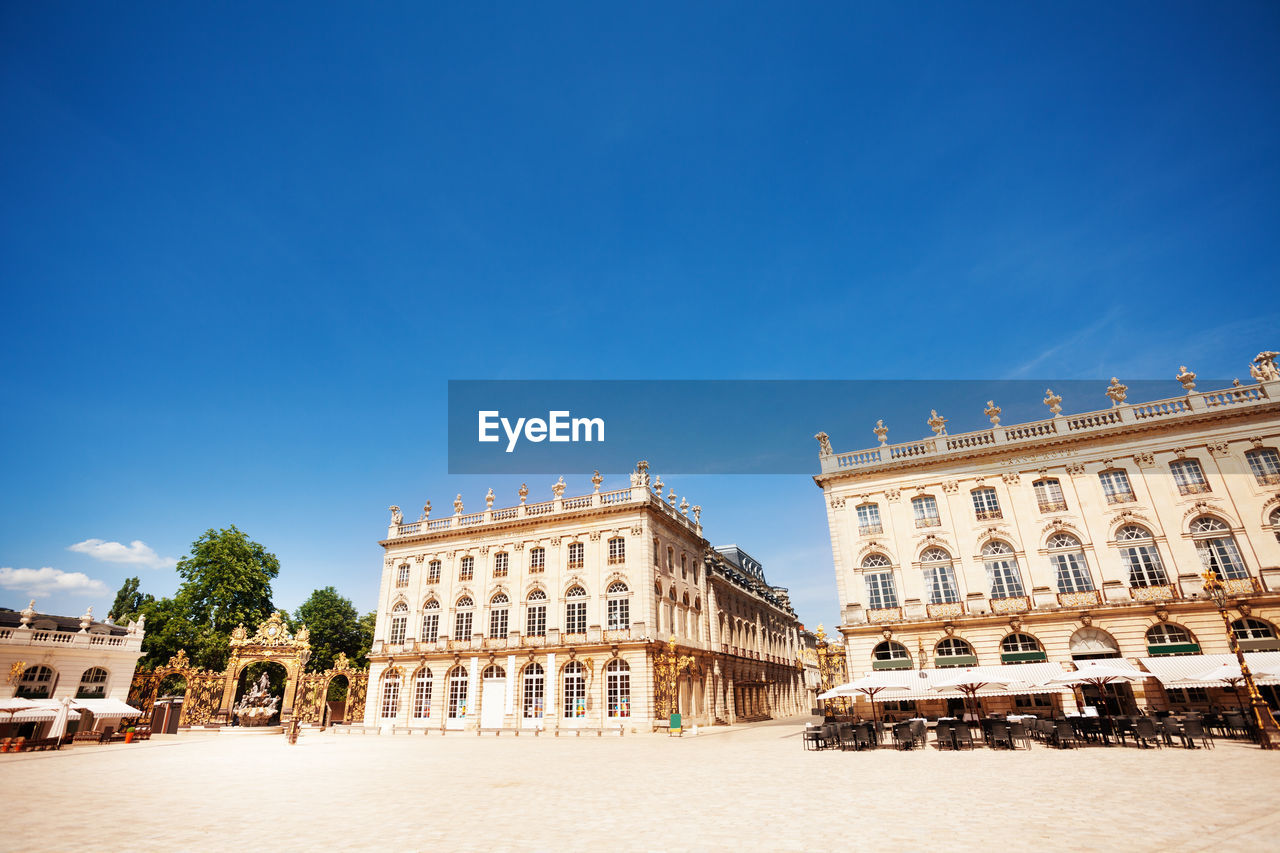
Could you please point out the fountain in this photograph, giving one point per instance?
(258, 706)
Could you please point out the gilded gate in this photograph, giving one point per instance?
(314, 688)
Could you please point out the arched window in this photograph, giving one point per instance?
(876, 561)
(575, 555)
(399, 623)
(1093, 643)
(878, 576)
(1274, 521)
(493, 671)
(1139, 551)
(1049, 495)
(1020, 648)
(500, 563)
(1254, 635)
(537, 560)
(433, 571)
(939, 576)
(462, 618)
(890, 655)
(868, 519)
(458, 683)
(1002, 570)
(617, 551)
(1265, 465)
(431, 621)
(402, 577)
(575, 611)
(985, 503)
(925, 511)
(467, 568)
(498, 616)
(1217, 547)
(952, 651)
(37, 682)
(535, 614)
(684, 566)
(1166, 639)
(1189, 476)
(422, 694)
(619, 606)
(93, 684)
(532, 690)
(575, 690)
(390, 694)
(671, 559)
(1068, 560)
(618, 688)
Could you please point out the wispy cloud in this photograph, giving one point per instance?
(136, 553)
(1071, 345)
(47, 581)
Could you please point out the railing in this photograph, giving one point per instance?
(468, 520)
(1013, 604)
(1233, 396)
(1193, 488)
(870, 529)
(861, 457)
(970, 439)
(905, 451)
(543, 508)
(618, 496)
(33, 637)
(1156, 592)
(929, 521)
(1240, 586)
(945, 610)
(1268, 479)
(1032, 430)
(1083, 598)
(1161, 409)
(1053, 506)
(411, 527)
(577, 503)
(505, 514)
(1121, 497)
(884, 614)
(988, 514)
(1093, 420)
(438, 524)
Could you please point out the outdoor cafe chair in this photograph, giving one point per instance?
(1193, 730)
(920, 732)
(864, 736)
(1064, 735)
(1235, 725)
(963, 735)
(812, 738)
(944, 735)
(1018, 734)
(1144, 730)
(1000, 735)
(903, 736)
(844, 735)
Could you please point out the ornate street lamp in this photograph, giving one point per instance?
(830, 661)
(1265, 723)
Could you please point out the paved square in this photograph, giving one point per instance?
(748, 788)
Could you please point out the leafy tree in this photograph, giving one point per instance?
(335, 626)
(367, 622)
(129, 602)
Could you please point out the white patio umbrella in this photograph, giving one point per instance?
(869, 686)
(968, 681)
(59, 726)
(1099, 675)
(13, 705)
(1229, 672)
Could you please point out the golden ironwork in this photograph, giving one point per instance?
(313, 691)
(884, 614)
(831, 662)
(1015, 604)
(1268, 732)
(15, 671)
(667, 669)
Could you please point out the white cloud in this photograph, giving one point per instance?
(137, 553)
(48, 581)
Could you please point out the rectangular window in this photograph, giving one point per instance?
(575, 694)
(925, 510)
(575, 617)
(1115, 485)
(390, 697)
(941, 583)
(869, 519)
(535, 620)
(1189, 476)
(433, 571)
(500, 565)
(497, 623)
(617, 551)
(1222, 557)
(619, 614)
(985, 503)
(458, 694)
(618, 693)
(1187, 695)
(399, 624)
(1005, 580)
(1049, 495)
(575, 555)
(468, 569)
(462, 625)
(1145, 568)
(537, 559)
(880, 591)
(402, 577)
(1265, 465)
(431, 627)
(1073, 574)
(422, 698)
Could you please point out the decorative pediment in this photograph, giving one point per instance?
(272, 633)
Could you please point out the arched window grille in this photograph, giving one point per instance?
(575, 690)
(939, 576)
(534, 682)
(575, 611)
(462, 618)
(458, 683)
(1067, 556)
(422, 694)
(618, 688)
(1002, 570)
(498, 616)
(390, 695)
(618, 606)
(1138, 549)
(535, 614)
(1217, 547)
(93, 684)
(431, 621)
(399, 623)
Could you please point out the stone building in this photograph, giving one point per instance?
(1070, 538)
(560, 614)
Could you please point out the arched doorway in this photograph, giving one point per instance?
(166, 713)
(260, 687)
(493, 694)
(1111, 699)
(335, 701)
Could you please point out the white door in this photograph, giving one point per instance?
(491, 703)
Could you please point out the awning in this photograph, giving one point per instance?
(1177, 670)
(101, 708)
(1030, 678)
(41, 711)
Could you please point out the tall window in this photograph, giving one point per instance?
(36, 683)
(431, 621)
(498, 616)
(433, 571)
(1217, 547)
(618, 688)
(1274, 520)
(535, 614)
(422, 694)
(575, 690)
(1189, 476)
(467, 570)
(575, 611)
(869, 519)
(985, 503)
(1068, 560)
(1265, 465)
(684, 566)
(390, 695)
(619, 606)
(1049, 495)
(939, 576)
(1115, 485)
(575, 555)
(890, 651)
(500, 564)
(93, 684)
(953, 647)
(925, 510)
(879, 579)
(1138, 549)
(462, 618)
(671, 559)
(399, 623)
(533, 686)
(537, 559)
(458, 683)
(617, 551)
(402, 576)
(1002, 570)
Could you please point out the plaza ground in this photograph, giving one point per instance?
(749, 787)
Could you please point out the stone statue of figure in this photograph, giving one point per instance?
(396, 516)
(264, 683)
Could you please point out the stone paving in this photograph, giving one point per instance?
(750, 787)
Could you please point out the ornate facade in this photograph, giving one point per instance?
(1073, 537)
(561, 614)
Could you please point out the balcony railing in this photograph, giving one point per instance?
(33, 637)
(870, 529)
(945, 610)
(1013, 604)
(1083, 598)
(884, 614)
(1268, 479)
(1155, 592)
(1053, 506)
(988, 514)
(1193, 488)
(1240, 586)
(929, 521)
(1121, 497)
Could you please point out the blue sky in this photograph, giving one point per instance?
(244, 247)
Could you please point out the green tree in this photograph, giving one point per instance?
(367, 622)
(335, 627)
(129, 602)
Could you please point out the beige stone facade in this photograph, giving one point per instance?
(556, 615)
(1073, 537)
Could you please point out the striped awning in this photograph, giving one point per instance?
(1178, 670)
(1024, 678)
(106, 708)
(41, 711)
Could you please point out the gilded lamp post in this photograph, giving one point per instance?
(1264, 721)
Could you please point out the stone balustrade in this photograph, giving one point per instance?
(69, 639)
